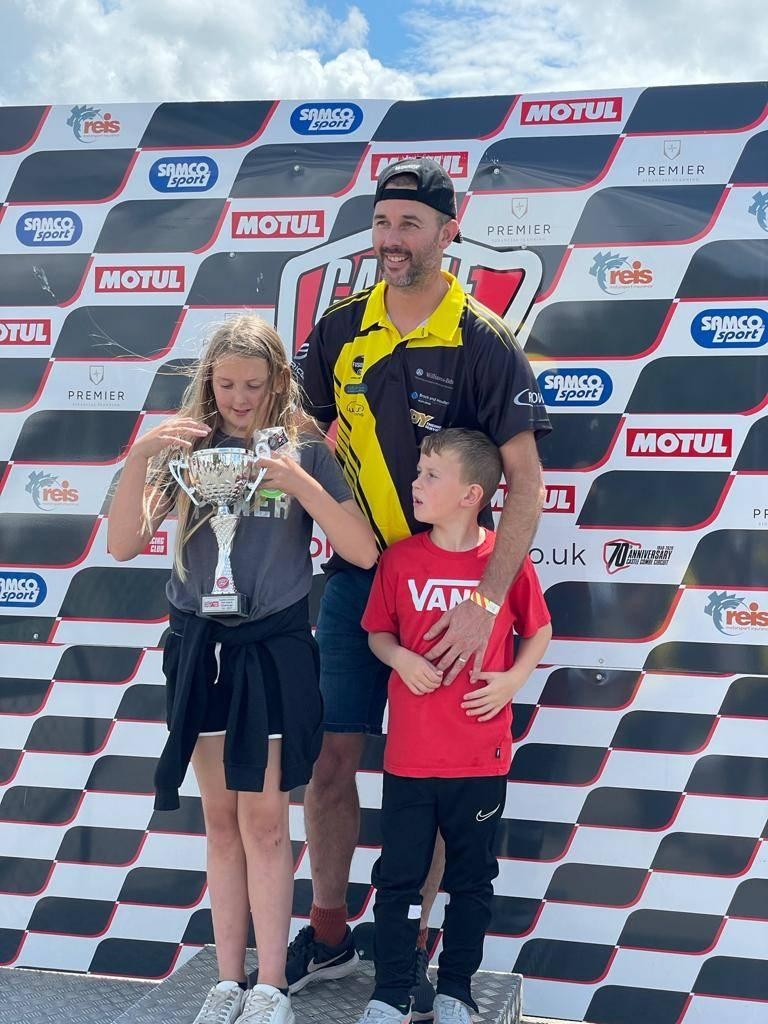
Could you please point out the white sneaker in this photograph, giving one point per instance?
(377, 1012)
(223, 1004)
(265, 1004)
(451, 1011)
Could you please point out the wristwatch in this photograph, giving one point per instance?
(485, 602)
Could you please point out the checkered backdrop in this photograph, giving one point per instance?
(625, 237)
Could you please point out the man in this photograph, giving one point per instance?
(391, 364)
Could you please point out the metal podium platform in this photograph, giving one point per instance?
(45, 997)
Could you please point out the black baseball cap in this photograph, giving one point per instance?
(433, 185)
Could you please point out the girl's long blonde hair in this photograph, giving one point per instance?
(246, 337)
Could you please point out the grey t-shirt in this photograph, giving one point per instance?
(270, 556)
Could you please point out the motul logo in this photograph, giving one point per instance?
(560, 498)
(25, 332)
(455, 164)
(280, 224)
(140, 279)
(675, 443)
(440, 594)
(606, 108)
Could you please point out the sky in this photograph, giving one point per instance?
(86, 51)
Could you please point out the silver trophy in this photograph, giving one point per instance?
(222, 477)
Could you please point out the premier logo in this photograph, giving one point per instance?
(49, 227)
(185, 174)
(140, 279)
(22, 589)
(581, 111)
(560, 498)
(660, 443)
(278, 224)
(730, 328)
(440, 595)
(25, 332)
(455, 164)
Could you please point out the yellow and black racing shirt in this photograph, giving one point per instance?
(462, 368)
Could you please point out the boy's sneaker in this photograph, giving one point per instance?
(423, 991)
(377, 1012)
(222, 1005)
(265, 1004)
(309, 960)
(451, 1011)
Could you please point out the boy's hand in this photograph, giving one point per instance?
(418, 674)
(485, 702)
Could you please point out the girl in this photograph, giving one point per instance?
(243, 696)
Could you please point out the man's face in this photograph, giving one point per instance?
(408, 241)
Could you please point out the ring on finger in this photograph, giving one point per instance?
(462, 659)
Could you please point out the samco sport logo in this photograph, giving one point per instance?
(588, 387)
(25, 332)
(732, 615)
(140, 279)
(455, 164)
(89, 123)
(278, 224)
(658, 442)
(581, 111)
(621, 554)
(440, 595)
(21, 589)
(615, 273)
(341, 119)
(730, 328)
(48, 492)
(184, 174)
(759, 209)
(506, 282)
(49, 227)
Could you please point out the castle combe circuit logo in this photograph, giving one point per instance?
(621, 554)
(732, 614)
(759, 209)
(615, 273)
(89, 123)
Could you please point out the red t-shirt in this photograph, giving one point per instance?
(432, 735)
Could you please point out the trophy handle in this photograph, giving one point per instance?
(175, 466)
(253, 485)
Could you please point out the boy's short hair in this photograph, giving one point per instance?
(478, 456)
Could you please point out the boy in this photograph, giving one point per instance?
(449, 748)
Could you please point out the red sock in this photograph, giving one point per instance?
(423, 937)
(330, 924)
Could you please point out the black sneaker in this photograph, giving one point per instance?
(423, 991)
(309, 960)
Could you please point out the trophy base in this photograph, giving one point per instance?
(224, 604)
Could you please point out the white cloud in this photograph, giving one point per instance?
(67, 51)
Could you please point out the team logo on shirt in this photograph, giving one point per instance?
(440, 595)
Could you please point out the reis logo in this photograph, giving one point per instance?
(140, 279)
(49, 227)
(440, 595)
(759, 209)
(731, 614)
(455, 164)
(615, 273)
(25, 332)
(184, 174)
(660, 443)
(730, 328)
(89, 123)
(581, 111)
(278, 224)
(48, 492)
(311, 119)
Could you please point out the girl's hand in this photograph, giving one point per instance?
(418, 674)
(284, 473)
(485, 702)
(177, 432)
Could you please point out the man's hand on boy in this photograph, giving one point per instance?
(485, 702)
(416, 672)
(466, 630)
